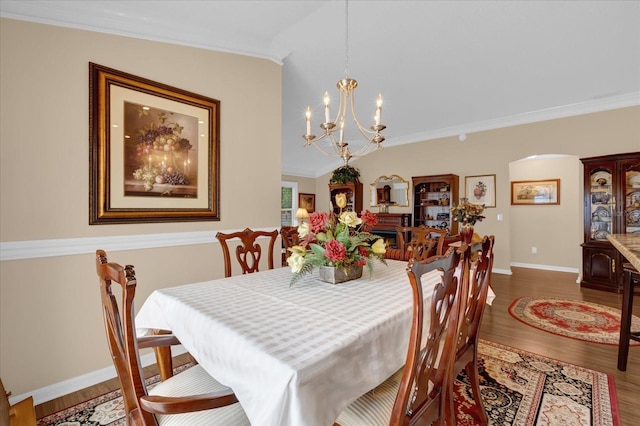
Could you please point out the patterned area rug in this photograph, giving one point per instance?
(572, 318)
(521, 388)
(518, 388)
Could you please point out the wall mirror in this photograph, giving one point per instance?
(390, 190)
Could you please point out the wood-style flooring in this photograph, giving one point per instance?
(498, 326)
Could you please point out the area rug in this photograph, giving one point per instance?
(518, 388)
(576, 319)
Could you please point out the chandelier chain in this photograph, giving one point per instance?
(346, 39)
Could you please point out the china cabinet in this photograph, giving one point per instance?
(353, 190)
(611, 206)
(432, 200)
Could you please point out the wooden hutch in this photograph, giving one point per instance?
(433, 197)
(611, 206)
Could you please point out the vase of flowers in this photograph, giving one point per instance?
(467, 214)
(341, 243)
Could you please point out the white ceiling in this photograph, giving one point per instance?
(444, 67)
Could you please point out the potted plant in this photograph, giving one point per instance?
(345, 174)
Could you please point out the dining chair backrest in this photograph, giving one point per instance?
(418, 393)
(121, 333)
(248, 252)
(193, 393)
(424, 241)
(471, 318)
(289, 235)
(422, 395)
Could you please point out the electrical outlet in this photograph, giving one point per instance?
(534, 250)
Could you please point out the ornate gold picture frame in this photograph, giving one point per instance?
(154, 151)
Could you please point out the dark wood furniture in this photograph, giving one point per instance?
(611, 206)
(249, 252)
(353, 190)
(143, 408)
(433, 197)
(423, 241)
(387, 224)
(631, 281)
(629, 247)
(289, 235)
(418, 393)
(471, 318)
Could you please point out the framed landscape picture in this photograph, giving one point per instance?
(535, 192)
(481, 190)
(307, 201)
(154, 151)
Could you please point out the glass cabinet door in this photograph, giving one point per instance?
(602, 203)
(631, 184)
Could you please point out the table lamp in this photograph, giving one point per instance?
(301, 215)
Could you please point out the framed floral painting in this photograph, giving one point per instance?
(481, 190)
(154, 151)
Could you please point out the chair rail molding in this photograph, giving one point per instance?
(17, 250)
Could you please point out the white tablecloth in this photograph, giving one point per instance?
(293, 355)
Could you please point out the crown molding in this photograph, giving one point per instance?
(68, 15)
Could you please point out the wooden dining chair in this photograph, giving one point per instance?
(192, 397)
(21, 413)
(248, 252)
(471, 318)
(289, 235)
(417, 394)
(424, 241)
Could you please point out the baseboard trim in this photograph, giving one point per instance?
(545, 267)
(75, 384)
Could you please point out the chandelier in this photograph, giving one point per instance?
(334, 130)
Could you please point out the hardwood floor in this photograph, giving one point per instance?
(498, 326)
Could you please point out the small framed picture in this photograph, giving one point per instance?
(535, 192)
(481, 190)
(307, 201)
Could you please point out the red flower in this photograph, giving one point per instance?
(360, 262)
(363, 251)
(369, 219)
(335, 251)
(317, 221)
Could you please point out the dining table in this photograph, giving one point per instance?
(293, 354)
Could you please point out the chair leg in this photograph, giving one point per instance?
(164, 358)
(472, 373)
(625, 320)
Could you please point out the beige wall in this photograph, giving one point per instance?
(492, 152)
(50, 322)
(305, 185)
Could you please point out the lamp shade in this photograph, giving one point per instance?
(302, 213)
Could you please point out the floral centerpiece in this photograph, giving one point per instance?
(341, 241)
(467, 213)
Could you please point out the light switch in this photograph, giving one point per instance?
(500, 217)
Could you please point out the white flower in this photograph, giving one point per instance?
(295, 261)
(350, 219)
(303, 229)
